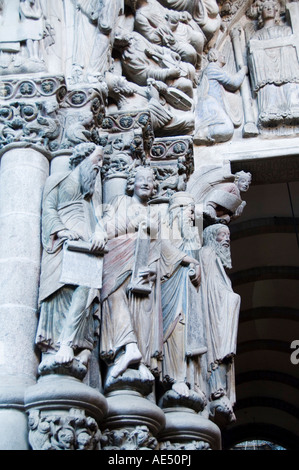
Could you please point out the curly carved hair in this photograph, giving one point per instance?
(132, 176)
(80, 152)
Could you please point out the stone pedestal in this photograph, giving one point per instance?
(187, 430)
(64, 414)
(133, 422)
(22, 176)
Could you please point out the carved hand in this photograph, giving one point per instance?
(195, 274)
(98, 241)
(70, 234)
(148, 275)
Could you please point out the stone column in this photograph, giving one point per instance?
(23, 172)
(66, 405)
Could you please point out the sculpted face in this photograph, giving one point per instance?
(268, 10)
(223, 236)
(243, 184)
(144, 184)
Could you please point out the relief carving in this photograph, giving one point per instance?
(213, 121)
(22, 47)
(273, 64)
(72, 431)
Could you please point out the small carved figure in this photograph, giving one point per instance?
(212, 122)
(66, 323)
(141, 60)
(224, 203)
(274, 67)
(220, 307)
(170, 109)
(29, 30)
(204, 12)
(94, 35)
(171, 29)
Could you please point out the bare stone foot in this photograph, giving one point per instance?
(145, 373)
(131, 355)
(64, 355)
(181, 388)
(84, 356)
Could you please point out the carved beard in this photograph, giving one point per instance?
(189, 233)
(224, 254)
(88, 177)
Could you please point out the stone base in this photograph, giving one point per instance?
(187, 430)
(64, 414)
(132, 423)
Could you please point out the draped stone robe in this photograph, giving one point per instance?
(220, 307)
(64, 207)
(126, 317)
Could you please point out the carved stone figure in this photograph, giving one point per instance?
(213, 123)
(204, 12)
(224, 203)
(72, 431)
(131, 301)
(28, 19)
(94, 35)
(170, 109)
(171, 29)
(220, 308)
(66, 325)
(274, 68)
(182, 321)
(141, 60)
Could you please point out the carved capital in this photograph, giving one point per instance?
(71, 430)
(138, 122)
(28, 111)
(81, 112)
(138, 438)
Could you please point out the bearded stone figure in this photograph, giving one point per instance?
(66, 325)
(220, 308)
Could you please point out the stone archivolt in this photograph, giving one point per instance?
(137, 319)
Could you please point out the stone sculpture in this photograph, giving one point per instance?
(21, 46)
(204, 12)
(131, 306)
(171, 29)
(274, 67)
(213, 123)
(131, 322)
(183, 330)
(224, 203)
(220, 308)
(66, 325)
(140, 60)
(95, 27)
(170, 110)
